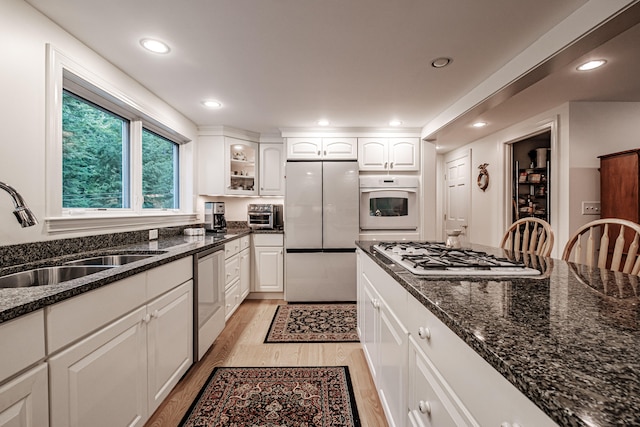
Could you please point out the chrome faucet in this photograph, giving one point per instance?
(23, 214)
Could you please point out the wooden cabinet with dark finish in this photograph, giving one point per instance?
(619, 182)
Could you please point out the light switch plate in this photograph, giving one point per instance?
(153, 234)
(590, 208)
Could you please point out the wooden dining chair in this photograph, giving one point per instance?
(609, 254)
(531, 235)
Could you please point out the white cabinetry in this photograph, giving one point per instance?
(389, 154)
(268, 264)
(23, 395)
(227, 166)
(322, 148)
(237, 267)
(422, 369)
(121, 371)
(271, 170)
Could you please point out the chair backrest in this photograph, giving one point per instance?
(531, 235)
(627, 239)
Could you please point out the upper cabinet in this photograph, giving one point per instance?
(227, 166)
(271, 170)
(322, 149)
(389, 154)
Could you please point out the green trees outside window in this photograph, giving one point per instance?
(159, 172)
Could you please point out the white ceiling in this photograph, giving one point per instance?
(359, 63)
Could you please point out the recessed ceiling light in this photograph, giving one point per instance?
(155, 46)
(211, 103)
(395, 123)
(591, 65)
(441, 62)
(323, 122)
(479, 124)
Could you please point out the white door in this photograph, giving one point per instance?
(403, 154)
(340, 204)
(304, 148)
(169, 334)
(24, 400)
(456, 209)
(269, 269)
(102, 380)
(373, 154)
(303, 210)
(340, 148)
(271, 169)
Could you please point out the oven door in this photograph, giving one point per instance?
(388, 209)
(260, 220)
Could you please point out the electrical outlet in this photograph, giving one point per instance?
(590, 208)
(153, 234)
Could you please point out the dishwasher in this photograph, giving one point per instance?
(208, 299)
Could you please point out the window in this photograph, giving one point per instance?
(159, 172)
(95, 156)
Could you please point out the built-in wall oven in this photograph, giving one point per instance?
(208, 302)
(388, 202)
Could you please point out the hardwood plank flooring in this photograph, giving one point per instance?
(241, 344)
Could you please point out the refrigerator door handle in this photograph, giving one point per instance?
(374, 190)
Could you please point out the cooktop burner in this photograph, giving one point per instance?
(434, 258)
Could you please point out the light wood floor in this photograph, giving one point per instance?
(241, 344)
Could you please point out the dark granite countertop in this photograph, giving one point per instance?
(15, 302)
(570, 341)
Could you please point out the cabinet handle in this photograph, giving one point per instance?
(391, 165)
(261, 188)
(375, 303)
(155, 314)
(385, 164)
(318, 152)
(146, 318)
(325, 152)
(424, 333)
(424, 407)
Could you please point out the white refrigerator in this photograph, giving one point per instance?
(321, 227)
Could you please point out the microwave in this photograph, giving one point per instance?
(388, 203)
(265, 216)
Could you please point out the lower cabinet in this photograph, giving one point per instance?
(24, 400)
(268, 255)
(245, 273)
(427, 376)
(120, 374)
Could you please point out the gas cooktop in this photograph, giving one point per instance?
(436, 259)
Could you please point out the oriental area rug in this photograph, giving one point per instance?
(313, 323)
(275, 397)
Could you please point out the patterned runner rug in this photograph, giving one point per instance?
(275, 397)
(313, 323)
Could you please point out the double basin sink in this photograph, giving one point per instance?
(71, 270)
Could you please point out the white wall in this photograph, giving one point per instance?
(581, 132)
(24, 33)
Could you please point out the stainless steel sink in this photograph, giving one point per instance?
(48, 275)
(111, 260)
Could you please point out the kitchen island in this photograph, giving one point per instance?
(568, 340)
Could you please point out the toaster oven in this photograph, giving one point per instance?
(265, 216)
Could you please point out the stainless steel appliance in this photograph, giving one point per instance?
(436, 259)
(321, 227)
(265, 216)
(208, 299)
(388, 202)
(214, 219)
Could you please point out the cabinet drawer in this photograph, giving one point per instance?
(166, 277)
(231, 269)
(245, 242)
(22, 341)
(272, 239)
(74, 318)
(231, 299)
(231, 248)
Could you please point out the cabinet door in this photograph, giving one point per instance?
(392, 368)
(169, 341)
(241, 170)
(304, 148)
(271, 170)
(102, 380)
(340, 148)
(231, 299)
(372, 154)
(245, 273)
(24, 400)
(211, 165)
(370, 326)
(269, 269)
(404, 154)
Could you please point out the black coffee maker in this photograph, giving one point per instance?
(214, 217)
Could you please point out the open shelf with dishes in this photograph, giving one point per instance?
(531, 192)
(242, 173)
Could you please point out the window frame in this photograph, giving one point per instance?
(64, 73)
